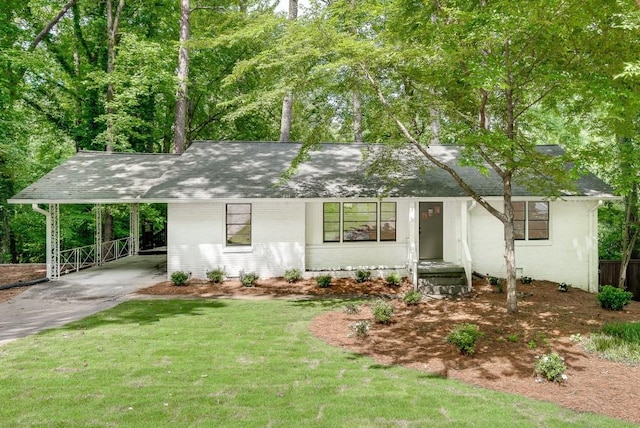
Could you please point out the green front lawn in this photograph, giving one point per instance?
(233, 363)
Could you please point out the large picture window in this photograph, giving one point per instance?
(238, 220)
(359, 221)
(531, 220)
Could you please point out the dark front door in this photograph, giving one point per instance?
(431, 228)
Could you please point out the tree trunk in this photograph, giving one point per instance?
(509, 248)
(180, 128)
(113, 21)
(630, 233)
(287, 102)
(357, 116)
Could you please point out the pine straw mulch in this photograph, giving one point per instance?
(505, 355)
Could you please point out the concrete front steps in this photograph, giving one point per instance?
(442, 279)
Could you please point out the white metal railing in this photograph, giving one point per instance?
(78, 258)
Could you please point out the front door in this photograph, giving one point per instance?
(431, 228)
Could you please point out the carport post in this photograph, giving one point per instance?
(53, 239)
(98, 211)
(134, 229)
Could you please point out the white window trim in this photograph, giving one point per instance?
(231, 249)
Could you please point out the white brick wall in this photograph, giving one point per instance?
(568, 256)
(196, 239)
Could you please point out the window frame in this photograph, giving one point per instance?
(343, 220)
(363, 223)
(227, 223)
(523, 222)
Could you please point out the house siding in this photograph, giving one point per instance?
(351, 255)
(196, 239)
(568, 256)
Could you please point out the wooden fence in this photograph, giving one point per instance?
(610, 271)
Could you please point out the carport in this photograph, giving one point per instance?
(97, 178)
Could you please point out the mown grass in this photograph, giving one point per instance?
(234, 363)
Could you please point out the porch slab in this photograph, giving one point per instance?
(438, 267)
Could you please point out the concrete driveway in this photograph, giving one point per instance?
(77, 295)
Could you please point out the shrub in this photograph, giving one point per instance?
(493, 280)
(363, 275)
(292, 275)
(217, 276)
(323, 281)
(613, 298)
(465, 336)
(526, 280)
(627, 331)
(360, 329)
(351, 308)
(248, 279)
(412, 297)
(551, 367)
(393, 278)
(512, 338)
(563, 287)
(382, 311)
(180, 278)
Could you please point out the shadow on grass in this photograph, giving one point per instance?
(145, 312)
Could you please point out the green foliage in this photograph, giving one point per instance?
(532, 344)
(613, 298)
(465, 336)
(351, 308)
(563, 287)
(551, 367)
(360, 329)
(412, 297)
(363, 275)
(292, 275)
(217, 276)
(526, 280)
(382, 311)
(626, 331)
(393, 278)
(323, 281)
(493, 280)
(613, 348)
(179, 278)
(248, 279)
(513, 338)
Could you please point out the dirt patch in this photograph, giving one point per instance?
(14, 274)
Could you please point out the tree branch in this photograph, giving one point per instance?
(50, 25)
(423, 150)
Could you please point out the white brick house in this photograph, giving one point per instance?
(229, 206)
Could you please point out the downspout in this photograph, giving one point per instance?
(593, 237)
(47, 215)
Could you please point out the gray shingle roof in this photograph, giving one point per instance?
(230, 170)
(98, 177)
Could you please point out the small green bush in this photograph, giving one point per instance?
(465, 336)
(351, 308)
(613, 298)
(360, 329)
(512, 338)
(248, 279)
(563, 287)
(412, 297)
(363, 275)
(551, 367)
(627, 331)
(292, 275)
(382, 311)
(393, 278)
(323, 281)
(180, 278)
(526, 280)
(217, 276)
(493, 280)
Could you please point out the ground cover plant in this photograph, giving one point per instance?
(219, 363)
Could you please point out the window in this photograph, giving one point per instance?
(238, 224)
(531, 220)
(387, 221)
(359, 221)
(331, 221)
